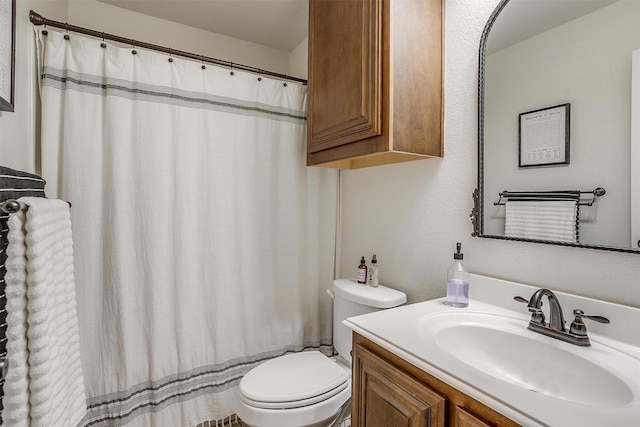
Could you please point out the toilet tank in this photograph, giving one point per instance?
(351, 298)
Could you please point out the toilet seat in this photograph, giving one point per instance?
(293, 381)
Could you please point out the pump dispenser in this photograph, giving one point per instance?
(372, 274)
(457, 281)
(362, 271)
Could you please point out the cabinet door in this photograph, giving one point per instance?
(385, 396)
(463, 418)
(344, 72)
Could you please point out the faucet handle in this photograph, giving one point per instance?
(578, 327)
(537, 316)
(532, 308)
(580, 314)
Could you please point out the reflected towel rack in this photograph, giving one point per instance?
(539, 196)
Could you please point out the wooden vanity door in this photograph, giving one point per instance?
(389, 397)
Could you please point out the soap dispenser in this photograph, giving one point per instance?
(362, 271)
(457, 281)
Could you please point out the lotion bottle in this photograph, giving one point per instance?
(372, 276)
(457, 282)
(362, 272)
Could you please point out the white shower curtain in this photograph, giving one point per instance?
(203, 243)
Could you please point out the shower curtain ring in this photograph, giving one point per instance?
(103, 44)
(66, 28)
(231, 66)
(202, 60)
(285, 80)
(133, 46)
(170, 58)
(44, 26)
(259, 75)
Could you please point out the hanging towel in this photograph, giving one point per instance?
(555, 220)
(13, 185)
(44, 384)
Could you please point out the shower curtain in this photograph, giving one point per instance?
(203, 243)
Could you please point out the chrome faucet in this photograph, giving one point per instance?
(577, 333)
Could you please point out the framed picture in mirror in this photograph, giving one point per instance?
(7, 53)
(544, 137)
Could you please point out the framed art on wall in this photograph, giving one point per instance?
(7, 53)
(544, 136)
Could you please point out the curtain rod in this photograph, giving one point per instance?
(37, 19)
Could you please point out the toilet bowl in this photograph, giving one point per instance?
(305, 389)
(309, 389)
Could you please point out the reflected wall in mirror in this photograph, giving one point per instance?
(536, 54)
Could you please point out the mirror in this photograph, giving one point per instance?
(559, 84)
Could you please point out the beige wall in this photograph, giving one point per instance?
(411, 215)
(298, 60)
(115, 20)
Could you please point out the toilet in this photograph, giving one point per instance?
(309, 389)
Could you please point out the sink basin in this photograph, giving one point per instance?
(486, 352)
(503, 348)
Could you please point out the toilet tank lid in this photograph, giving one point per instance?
(380, 297)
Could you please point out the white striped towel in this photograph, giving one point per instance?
(44, 384)
(554, 220)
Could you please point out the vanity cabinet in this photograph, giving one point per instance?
(390, 392)
(387, 396)
(375, 82)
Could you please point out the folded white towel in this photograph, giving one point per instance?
(44, 384)
(554, 220)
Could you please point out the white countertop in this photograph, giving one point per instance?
(399, 330)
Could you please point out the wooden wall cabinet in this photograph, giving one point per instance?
(390, 392)
(375, 82)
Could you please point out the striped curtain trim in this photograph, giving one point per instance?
(135, 91)
(122, 407)
(230, 421)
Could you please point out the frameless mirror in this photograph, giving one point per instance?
(559, 124)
